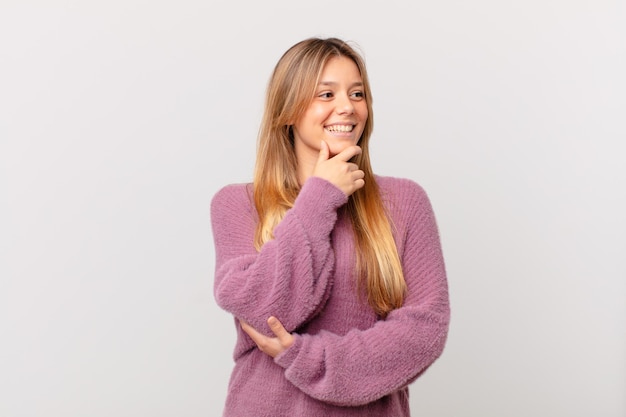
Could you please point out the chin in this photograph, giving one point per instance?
(336, 148)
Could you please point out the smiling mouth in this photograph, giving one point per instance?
(340, 128)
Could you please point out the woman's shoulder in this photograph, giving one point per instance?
(233, 195)
(395, 187)
(403, 197)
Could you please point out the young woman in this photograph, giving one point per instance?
(335, 276)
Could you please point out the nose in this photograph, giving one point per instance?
(344, 104)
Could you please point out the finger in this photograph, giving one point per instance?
(251, 331)
(277, 327)
(348, 153)
(358, 174)
(352, 167)
(324, 152)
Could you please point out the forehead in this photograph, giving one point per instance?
(340, 68)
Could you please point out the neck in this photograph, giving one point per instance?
(307, 160)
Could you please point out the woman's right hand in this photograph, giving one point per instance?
(343, 174)
(272, 346)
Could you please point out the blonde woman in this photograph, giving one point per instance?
(335, 276)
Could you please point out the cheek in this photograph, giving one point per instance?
(363, 111)
(363, 116)
(319, 113)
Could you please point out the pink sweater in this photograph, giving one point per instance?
(345, 361)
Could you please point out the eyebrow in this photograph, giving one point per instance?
(332, 83)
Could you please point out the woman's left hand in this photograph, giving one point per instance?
(270, 345)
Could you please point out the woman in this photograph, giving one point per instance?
(335, 276)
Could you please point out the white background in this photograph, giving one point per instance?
(119, 120)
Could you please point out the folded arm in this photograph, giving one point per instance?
(364, 365)
(291, 276)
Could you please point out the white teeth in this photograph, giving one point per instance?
(340, 128)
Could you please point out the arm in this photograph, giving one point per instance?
(291, 276)
(365, 365)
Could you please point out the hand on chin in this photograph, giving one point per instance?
(336, 147)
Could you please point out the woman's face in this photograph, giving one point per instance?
(336, 115)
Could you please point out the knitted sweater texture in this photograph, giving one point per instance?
(345, 360)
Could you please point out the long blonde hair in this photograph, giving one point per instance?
(290, 91)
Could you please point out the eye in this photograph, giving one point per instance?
(357, 95)
(325, 94)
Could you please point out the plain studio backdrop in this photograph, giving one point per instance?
(119, 121)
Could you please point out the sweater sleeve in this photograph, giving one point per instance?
(365, 365)
(291, 276)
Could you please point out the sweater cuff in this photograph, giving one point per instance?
(316, 189)
(318, 201)
(288, 356)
